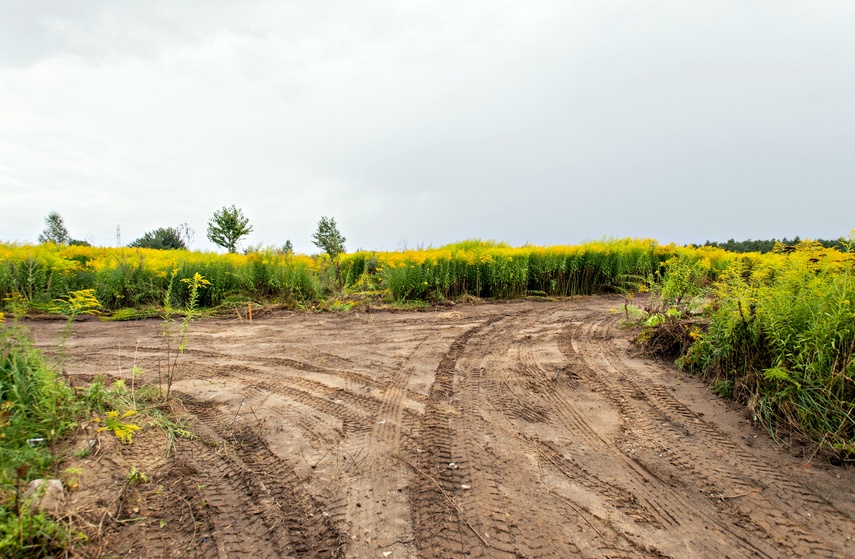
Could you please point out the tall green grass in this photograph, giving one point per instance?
(34, 404)
(34, 276)
(781, 337)
(495, 270)
(36, 409)
(134, 277)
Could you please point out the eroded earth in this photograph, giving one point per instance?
(508, 430)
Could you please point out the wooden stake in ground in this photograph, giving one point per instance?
(249, 308)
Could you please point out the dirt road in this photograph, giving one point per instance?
(523, 429)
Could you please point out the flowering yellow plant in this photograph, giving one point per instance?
(123, 431)
(76, 303)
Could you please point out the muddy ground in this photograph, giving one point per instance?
(522, 429)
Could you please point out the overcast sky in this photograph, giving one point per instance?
(427, 122)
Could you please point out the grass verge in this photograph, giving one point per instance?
(776, 334)
(38, 410)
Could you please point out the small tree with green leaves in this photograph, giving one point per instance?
(329, 239)
(55, 232)
(227, 227)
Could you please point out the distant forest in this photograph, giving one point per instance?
(763, 246)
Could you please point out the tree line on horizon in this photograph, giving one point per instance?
(768, 245)
(225, 229)
(228, 225)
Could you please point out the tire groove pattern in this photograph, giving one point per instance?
(493, 508)
(274, 514)
(640, 401)
(439, 529)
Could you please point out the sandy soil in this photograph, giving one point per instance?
(523, 429)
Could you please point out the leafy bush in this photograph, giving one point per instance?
(163, 238)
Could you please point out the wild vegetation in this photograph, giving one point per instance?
(38, 409)
(496, 270)
(139, 278)
(776, 332)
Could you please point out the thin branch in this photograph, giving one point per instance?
(236, 414)
(738, 495)
(570, 503)
(447, 498)
(192, 516)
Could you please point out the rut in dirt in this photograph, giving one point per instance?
(524, 429)
(255, 503)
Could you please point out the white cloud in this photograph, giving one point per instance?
(540, 121)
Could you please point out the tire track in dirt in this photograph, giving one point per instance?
(659, 426)
(729, 471)
(379, 487)
(314, 428)
(649, 499)
(580, 440)
(371, 429)
(439, 527)
(259, 505)
(353, 419)
(474, 475)
(638, 507)
(222, 359)
(354, 411)
(390, 414)
(686, 511)
(540, 390)
(509, 430)
(667, 406)
(496, 509)
(480, 494)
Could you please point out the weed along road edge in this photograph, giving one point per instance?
(507, 430)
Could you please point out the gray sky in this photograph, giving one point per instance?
(427, 122)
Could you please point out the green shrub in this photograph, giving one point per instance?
(36, 409)
(781, 338)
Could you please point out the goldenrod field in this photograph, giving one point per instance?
(136, 277)
(130, 278)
